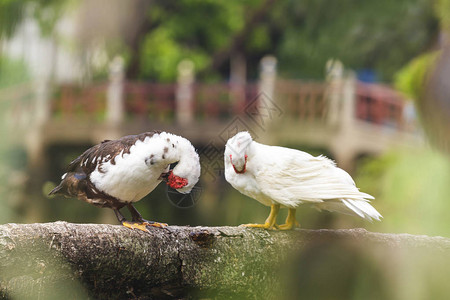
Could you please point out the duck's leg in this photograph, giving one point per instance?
(119, 216)
(270, 221)
(137, 218)
(291, 222)
(132, 224)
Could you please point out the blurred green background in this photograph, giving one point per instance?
(66, 47)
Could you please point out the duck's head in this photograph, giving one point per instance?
(186, 173)
(236, 151)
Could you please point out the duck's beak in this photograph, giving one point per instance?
(239, 166)
(165, 176)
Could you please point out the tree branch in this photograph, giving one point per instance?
(109, 261)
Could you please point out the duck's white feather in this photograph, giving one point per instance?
(129, 178)
(133, 175)
(291, 177)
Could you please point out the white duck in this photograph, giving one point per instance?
(283, 177)
(116, 173)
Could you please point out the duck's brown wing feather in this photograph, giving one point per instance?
(106, 151)
(77, 183)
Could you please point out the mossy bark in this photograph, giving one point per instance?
(56, 260)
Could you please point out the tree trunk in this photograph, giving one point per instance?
(56, 260)
(237, 42)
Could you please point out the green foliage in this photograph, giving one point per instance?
(380, 35)
(12, 72)
(303, 35)
(411, 190)
(46, 13)
(188, 29)
(161, 55)
(12, 176)
(259, 38)
(11, 14)
(105, 53)
(442, 9)
(411, 79)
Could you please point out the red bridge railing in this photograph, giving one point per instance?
(304, 101)
(150, 100)
(375, 104)
(380, 105)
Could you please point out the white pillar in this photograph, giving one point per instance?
(238, 79)
(184, 93)
(42, 112)
(348, 100)
(267, 110)
(343, 143)
(334, 78)
(268, 75)
(35, 135)
(114, 104)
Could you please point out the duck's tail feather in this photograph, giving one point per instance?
(363, 209)
(56, 190)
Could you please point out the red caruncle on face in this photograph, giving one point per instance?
(176, 182)
(245, 165)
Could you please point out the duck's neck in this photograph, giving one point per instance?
(180, 150)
